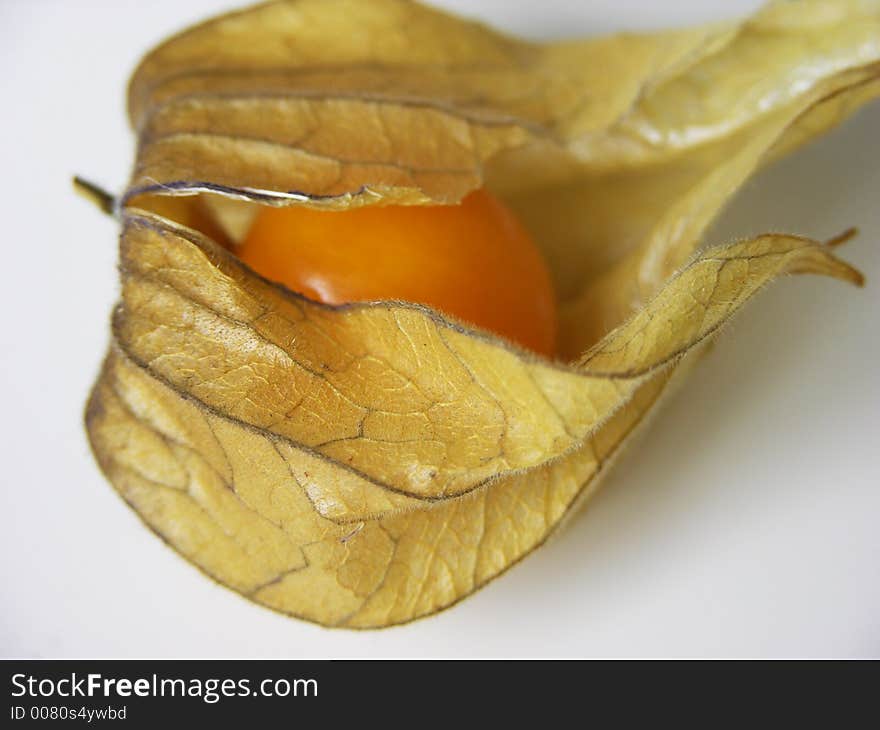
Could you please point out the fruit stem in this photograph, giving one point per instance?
(95, 194)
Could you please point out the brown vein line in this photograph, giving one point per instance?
(232, 537)
(563, 422)
(491, 396)
(280, 577)
(269, 142)
(472, 116)
(484, 498)
(172, 442)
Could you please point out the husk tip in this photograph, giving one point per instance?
(842, 237)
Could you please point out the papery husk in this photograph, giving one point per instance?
(369, 464)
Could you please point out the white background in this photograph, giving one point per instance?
(744, 522)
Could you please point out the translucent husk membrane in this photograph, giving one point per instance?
(368, 464)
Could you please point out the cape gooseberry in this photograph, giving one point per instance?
(474, 262)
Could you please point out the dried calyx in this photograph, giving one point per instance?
(367, 464)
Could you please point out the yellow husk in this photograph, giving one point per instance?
(366, 465)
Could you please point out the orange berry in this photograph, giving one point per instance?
(474, 261)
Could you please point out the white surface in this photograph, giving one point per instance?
(743, 523)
